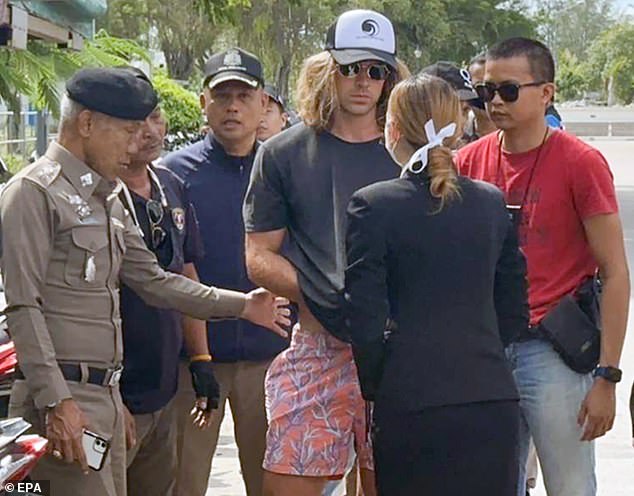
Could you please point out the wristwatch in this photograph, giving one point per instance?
(610, 374)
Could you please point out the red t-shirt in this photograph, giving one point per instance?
(571, 182)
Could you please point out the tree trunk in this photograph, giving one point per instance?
(282, 77)
(611, 92)
(180, 63)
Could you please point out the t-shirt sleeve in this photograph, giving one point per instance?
(265, 207)
(593, 185)
(460, 161)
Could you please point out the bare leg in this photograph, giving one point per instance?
(352, 482)
(292, 485)
(368, 483)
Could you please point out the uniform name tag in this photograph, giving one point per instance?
(90, 270)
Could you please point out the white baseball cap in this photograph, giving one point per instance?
(360, 35)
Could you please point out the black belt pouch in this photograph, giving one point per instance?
(572, 327)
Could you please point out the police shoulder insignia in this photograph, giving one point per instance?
(178, 217)
(47, 172)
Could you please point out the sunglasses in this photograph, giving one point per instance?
(155, 214)
(509, 92)
(376, 72)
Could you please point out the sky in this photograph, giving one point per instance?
(628, 5)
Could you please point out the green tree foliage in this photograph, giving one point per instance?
(38, 71)
(572, 76)
(180, 106)
(183, 30)
(283, 33)
(573, 25)
(611, 58)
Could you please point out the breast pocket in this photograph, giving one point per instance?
(88, 262)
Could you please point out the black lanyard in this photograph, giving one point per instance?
(532, 173)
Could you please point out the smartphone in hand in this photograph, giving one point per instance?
(96, 448)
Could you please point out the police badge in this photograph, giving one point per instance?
(178, 217)
(232, 58)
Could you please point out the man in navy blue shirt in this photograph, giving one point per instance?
(157, 202)
(216, 174)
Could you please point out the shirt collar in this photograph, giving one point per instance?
(83, 178)
(215, 149)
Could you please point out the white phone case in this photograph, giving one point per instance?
(96, 448)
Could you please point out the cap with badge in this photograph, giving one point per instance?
(359, 35)
(459, 79)
(273, 94)
(117, 92)
(234, 64)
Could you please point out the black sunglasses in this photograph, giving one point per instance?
(376, 72)
(509, 92)
(155, 214)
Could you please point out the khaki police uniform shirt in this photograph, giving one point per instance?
(66, 241)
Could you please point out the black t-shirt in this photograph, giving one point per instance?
(153, 337)
(302, 180)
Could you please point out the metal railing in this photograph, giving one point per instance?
(19, 137)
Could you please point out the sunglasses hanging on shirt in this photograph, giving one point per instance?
(376, 72)
(155, 211)
(509, 92)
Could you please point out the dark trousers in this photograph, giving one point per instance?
(448, 451)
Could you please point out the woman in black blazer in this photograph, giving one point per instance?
(435, 256)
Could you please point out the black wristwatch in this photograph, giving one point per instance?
(610, 374)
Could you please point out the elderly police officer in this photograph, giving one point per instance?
(67, 240)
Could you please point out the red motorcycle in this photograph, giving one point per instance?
(19, 452)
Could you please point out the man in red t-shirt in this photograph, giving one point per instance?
(562, 195)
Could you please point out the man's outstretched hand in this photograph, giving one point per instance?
(265, 309)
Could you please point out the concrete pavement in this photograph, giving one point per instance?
(615, 454)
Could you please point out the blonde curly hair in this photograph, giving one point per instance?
(316, 94)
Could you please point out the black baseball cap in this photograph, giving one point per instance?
(460, 79)
(234, 64)
(273, 94)
(360, 35)
(118, 92)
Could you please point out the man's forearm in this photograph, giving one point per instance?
(275, 273)
(614, 309)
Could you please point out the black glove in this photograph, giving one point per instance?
(205, 383)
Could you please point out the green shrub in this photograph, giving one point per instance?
(181, 108)
(14, 162)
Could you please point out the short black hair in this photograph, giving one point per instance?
(540, 59)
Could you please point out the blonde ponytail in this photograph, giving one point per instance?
(413, 103)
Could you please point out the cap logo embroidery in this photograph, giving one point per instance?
(467, 78)
(232, 58)
(371, 28)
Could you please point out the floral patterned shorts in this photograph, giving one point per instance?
(315, 409)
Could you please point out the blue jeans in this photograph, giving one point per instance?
(550, 397)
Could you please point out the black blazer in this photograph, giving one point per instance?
(453, 284)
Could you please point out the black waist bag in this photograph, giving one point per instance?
(572, 327)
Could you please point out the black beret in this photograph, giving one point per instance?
(116, 92)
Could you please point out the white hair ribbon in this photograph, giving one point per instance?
(433, 140)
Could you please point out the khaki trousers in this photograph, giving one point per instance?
(152, 461)
(242, 383)
(104, 409)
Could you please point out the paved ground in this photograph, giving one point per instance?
(614, 452)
